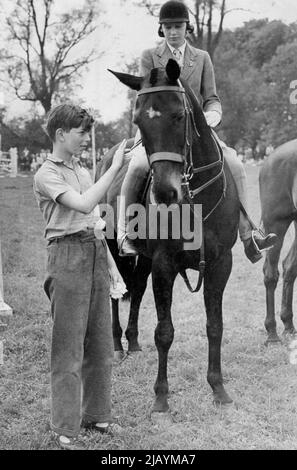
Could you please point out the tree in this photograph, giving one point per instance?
(40, 57)
(282, 113)
(266, 40)
(255, 87)
(109, 134)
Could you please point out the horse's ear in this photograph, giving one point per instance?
(172, 70)
(130, 80)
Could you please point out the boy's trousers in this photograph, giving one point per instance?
(77, 284)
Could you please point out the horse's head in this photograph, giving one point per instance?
(160, 114)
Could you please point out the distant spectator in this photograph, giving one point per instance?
(39, 160)
(248, 153)
(33, 167)
(43, 155)
(48, 153)
(269, 149)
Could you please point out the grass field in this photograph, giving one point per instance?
(261, 380)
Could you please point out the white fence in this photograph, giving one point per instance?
(9, 163)
(4, 308)
(5, 312)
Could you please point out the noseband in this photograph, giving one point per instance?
(170, 156)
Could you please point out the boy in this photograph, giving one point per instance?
(77, 283)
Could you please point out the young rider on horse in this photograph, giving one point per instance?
(197, 70)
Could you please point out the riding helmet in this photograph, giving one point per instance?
(173, 12)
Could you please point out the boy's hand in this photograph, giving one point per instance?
(117, 285)
(118, 158)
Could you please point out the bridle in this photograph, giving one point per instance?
(186, 158)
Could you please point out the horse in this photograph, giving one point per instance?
(187, 167)
(278, 196)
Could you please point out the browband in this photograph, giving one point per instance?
(161, 88)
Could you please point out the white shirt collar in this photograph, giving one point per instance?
(181, 48)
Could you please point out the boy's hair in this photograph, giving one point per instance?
(67, 117)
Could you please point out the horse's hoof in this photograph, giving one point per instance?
(289, 335)
(119, 356)
(161, 419)
(222, 399)
(273, 339)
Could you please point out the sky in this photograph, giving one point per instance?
(131, 30)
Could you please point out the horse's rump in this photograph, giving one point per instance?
(278, 183)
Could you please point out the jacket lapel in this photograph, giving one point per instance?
(190, 62)
(163, 54)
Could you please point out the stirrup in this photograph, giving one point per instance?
(259, 250)
(130, 250)
(254, 241)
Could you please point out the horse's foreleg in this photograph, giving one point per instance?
(140, 276)
(271, 276)
(116, 330)
(289, 276)
(163, 275)
(216, 277)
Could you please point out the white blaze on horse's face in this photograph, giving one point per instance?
(152, 113)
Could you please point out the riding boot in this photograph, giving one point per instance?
(133, 183)
(254, 242)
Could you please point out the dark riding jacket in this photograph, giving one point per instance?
(197, 71)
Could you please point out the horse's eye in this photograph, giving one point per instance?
(178, 116)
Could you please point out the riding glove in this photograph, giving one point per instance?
(213, 118)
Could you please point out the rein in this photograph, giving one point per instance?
(187, 159)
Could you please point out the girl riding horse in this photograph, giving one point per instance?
(197, 69)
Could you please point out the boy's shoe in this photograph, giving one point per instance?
(109, 428)
(68, 443)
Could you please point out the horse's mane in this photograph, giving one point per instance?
(207, 143)
(154, 76)
(197, 109)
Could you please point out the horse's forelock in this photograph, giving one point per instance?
(154, 76)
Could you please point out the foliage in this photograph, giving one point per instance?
(24, 132)
(254, 67)
(41, 55)
(278, 74)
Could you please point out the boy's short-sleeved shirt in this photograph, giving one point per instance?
(54, 178)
